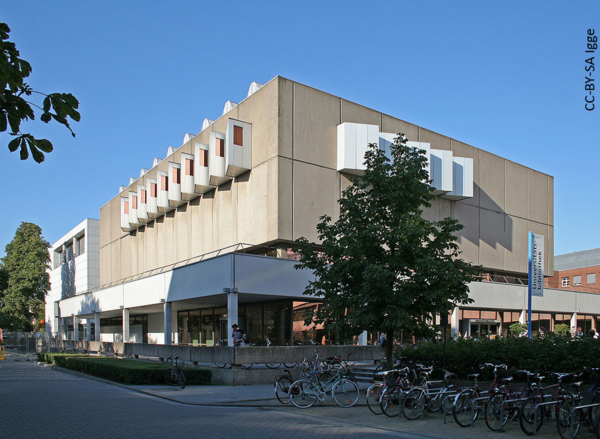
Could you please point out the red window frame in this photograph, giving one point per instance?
(126, 207)
(143, 196)
(176, 175)
(204, 158)
(153, 190)
(164, 180)
(134, 202)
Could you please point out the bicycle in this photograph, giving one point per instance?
(504, 403)
(375, 392)
(426, 397)
(462, 408)
(174, 375)
(224, 365)
(531, 417)
(305, 392)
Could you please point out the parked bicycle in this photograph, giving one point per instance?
(174, 375)
(305, 392)
(429, 396)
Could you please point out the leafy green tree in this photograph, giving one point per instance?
(517, 328)
(562, 330)
(25, 264)
(14, 108)
(381, 266)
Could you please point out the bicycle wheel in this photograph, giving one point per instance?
(324, 378)
(462, 410)
(221, 365)
(391, 401)
(434, 403)
(170, 377)
(345, 393)
(374, 398)
(180, 378)
(527, 416)
(495, 416)
(303, 394)
(290, 365)
(414, 404)
(376, 376)
(246, 366)
(568, 425)
(272, 365)
(282, 389)
(349, 375)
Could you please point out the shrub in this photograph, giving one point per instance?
(551, 353)
(517, 329)
(562, 329)
(123, 371)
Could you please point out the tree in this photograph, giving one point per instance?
(25, 265)
(14, 109)
(382, 266)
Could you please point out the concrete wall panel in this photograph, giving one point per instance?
(516, 259)
(356, 113)
(516, 189)
(390, 124)
(285, 96)
(285, 199)
(468, 237)
(316, 192)
(538, 196)
(316, 117)
(493, 237)
(436, 140)
(491, 181)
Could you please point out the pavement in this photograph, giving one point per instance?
(358, 418)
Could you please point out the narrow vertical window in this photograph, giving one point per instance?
(238, 135)
(134, 202)
(220, 147)
(189, 167)
(153, 190)
(126, 207)
(176, 175)
(143, 194)
(164, 180)
(204, 158)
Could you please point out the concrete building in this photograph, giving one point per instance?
(201, 239)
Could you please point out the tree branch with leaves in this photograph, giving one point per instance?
(382, 267)
(16, 108)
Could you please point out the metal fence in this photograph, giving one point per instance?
(24, 341)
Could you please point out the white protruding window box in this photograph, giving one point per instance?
(174, 191)
(133, 209)
(142, 211)
(217, 151)
(125, 226)
(152, 207)
(462, 179)
(352, 144)
(238, 148)
(201, 171)
(163, 192)
(188, 188)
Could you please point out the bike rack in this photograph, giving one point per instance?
(501, 429)
(535, 415)
(476, 400)
(447, 397)
(580, 407)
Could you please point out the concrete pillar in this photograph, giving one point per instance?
(362, 338)
(174, 330)
(75, 328)
(96, 326)
(88, 330)
(168, 322)
(573, 324)
(455, 322)
(125, 325)
(232, 315)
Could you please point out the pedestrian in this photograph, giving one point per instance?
(238, 335)
(382, 340)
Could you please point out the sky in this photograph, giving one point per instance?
(505, 76)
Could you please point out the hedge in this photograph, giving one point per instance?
(123, 371)
(551, 353)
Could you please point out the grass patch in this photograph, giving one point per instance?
(122, 370)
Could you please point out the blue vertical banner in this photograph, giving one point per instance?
(535, 283)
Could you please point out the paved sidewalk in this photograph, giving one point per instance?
(263, 398)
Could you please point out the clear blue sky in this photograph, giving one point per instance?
(505, 76)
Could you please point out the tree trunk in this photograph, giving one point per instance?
(389, 349)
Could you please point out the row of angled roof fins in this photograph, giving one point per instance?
(229, 105)
(227, 156)
(452, 177)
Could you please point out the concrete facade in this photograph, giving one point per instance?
(268, 186)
